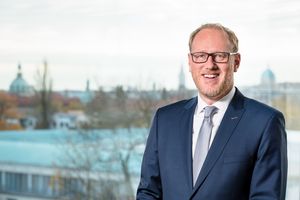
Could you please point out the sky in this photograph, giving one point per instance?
(138, 43)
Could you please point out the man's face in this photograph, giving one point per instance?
(213, 80)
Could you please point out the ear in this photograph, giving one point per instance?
(237, 61)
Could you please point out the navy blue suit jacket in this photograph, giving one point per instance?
(247, 159)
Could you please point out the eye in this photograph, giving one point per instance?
(220, 55)
(200, 55)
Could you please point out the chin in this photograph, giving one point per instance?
(211, 93)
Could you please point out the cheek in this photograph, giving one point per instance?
(228, 75)
(195, 72)
(195, 68)
(197, 77)
(228, 70)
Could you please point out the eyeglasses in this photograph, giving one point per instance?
(217, 57)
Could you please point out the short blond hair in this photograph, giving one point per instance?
(233, 40)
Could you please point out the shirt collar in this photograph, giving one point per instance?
(222, 104)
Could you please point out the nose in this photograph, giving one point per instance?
(210, 64)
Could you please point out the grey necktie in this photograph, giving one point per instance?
(203, 141)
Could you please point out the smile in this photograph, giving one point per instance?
(210, 76)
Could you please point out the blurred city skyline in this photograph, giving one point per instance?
(138, 43)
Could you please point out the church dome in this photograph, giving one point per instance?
(268, 77)
(19, 86)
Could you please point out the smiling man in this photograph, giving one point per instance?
(219, 145)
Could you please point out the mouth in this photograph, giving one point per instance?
(210, 76)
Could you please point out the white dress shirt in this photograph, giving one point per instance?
(222, 105)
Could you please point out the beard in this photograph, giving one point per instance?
(218, 91)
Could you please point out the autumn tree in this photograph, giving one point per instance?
(8, 110)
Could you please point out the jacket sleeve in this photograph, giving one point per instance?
(150, 183)
(270, 170)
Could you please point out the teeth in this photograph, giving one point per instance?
(210, 75)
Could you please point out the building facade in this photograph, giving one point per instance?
(63, 164)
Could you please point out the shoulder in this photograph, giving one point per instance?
(261, 118)
(178, 106)
(258, 108)
(172, 114)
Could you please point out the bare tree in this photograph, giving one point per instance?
(99, 160)
(124, 159)
(146, 105)
(44, 94)
(83, 156)
(98, 110)
(123, 115)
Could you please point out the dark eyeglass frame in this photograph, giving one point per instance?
(213, 55)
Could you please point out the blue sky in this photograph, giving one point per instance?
(141, 42)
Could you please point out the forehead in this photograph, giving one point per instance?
(210, 39)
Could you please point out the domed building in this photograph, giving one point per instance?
(265, 91)
(285, 96)
(268, 77)
(19, 86)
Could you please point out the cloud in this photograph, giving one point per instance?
(87, 32)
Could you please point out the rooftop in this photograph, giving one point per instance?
(50, 148)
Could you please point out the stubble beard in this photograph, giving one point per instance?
(219, 91)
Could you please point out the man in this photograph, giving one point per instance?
(235, 151)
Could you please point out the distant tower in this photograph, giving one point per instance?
(181, 79)
(19, 74)
(87, 85)
(88, 94)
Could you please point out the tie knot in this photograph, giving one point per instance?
(209, 111)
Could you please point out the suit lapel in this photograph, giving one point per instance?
(230, 120)
(186, 127)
